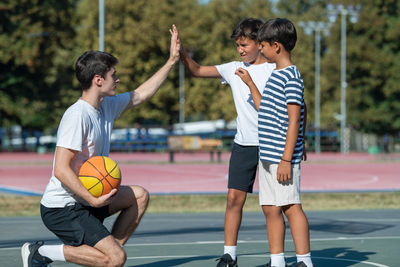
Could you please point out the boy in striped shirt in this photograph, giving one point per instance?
(281, 127)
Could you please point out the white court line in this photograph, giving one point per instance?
(356, 261)
(243, 256)
(262, 241)
(244, 241)
(369, 220)
(252, 256)
(247, 242)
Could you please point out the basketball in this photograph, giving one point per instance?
(100, 175)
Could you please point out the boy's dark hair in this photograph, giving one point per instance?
(93, 63)
(278, 30)
(247, 28)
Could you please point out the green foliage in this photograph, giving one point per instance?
(41, 39)
(374, 87)
(372, 69)
(142, 46)
(34, 36)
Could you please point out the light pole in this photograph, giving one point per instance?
(333, 12)
(310, 27)
(182, 89)
(101, 25)
(181, 93)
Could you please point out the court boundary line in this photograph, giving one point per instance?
(23, 192)
(19, 191)
(247, 255)
(263, 241)
(245, 241)
(252, 256)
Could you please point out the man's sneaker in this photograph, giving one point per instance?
(301, 264)
(226, 261)
(31, 256)
(269, 264)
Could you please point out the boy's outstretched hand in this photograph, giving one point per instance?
(175, 44)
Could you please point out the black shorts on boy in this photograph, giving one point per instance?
(243, 167)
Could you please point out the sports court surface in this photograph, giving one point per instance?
(338, 238)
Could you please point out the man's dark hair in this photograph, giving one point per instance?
(247, 28)
(278, 30)
(93, 63)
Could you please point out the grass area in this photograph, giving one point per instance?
(29, 206)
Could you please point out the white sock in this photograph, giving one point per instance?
(231, 250)
(53, 252)
(306, 258)
(278, 260)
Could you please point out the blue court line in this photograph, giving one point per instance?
(9, 190)
(255, 192)
(15, 191)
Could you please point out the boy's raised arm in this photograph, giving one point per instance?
(195, 69)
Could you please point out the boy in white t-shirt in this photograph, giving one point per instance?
(67, 207)
(244, 158)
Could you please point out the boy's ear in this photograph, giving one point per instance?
(277, 47)
(97, 80)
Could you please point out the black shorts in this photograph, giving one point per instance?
(243, 167)
(76, 225)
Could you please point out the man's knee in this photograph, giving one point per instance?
(118, 259)
(142, 195)
(114, 259)
(113, 253)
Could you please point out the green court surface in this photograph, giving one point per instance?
(338, 238)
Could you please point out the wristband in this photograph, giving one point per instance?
(286, 160)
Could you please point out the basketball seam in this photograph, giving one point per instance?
(108, 174)
(115, 166)
(104, 178)
(94, 166)
(98, 181)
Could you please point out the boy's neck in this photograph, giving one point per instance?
(259, 60)
(282, 62)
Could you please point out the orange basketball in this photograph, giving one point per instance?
(100, 175)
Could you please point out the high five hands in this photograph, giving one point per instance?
(175, 44)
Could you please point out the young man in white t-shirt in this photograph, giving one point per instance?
(244, 158)
(67, 207)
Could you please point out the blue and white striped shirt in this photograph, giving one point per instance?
(283, 87)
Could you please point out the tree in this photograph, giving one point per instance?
(141, 43)
(40, 41)
(35, 37)
(372, 69)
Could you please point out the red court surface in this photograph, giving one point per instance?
(26, 173)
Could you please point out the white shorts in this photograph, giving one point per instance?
(272, 192)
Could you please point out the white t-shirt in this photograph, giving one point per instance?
(246, 121)
(88, 131)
